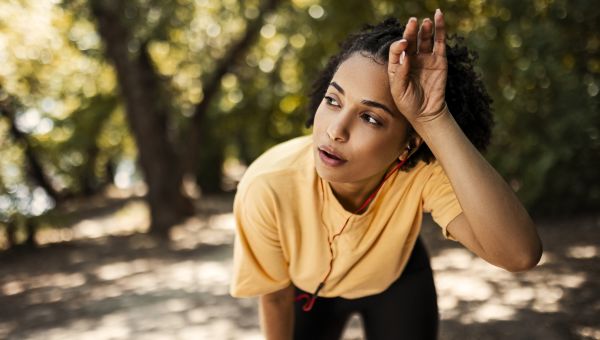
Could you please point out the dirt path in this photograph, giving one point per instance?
(130, 287)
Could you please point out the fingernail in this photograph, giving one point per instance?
(402, 57)
(412, 19)
(438, 11)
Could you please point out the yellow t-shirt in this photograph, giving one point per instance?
(285, 212)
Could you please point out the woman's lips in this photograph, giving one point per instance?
(332, 152)
(329, 159)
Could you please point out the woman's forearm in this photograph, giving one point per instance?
(277, 314)
(498, 220)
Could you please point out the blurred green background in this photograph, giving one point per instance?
(99, 95)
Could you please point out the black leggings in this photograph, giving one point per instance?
(406, 310)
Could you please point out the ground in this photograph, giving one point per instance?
(103, 278)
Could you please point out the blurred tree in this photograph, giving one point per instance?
(34, 175)
(213, 84)
(147, 112)
(146, 102)
(58, 136)
(207, 159)
(545, 87)
(34, 170)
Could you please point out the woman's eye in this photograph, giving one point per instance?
(369, 119)
(331, 101)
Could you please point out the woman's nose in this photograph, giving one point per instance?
(338, 129)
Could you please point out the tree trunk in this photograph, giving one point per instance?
(101, 112)
(147, 114)
(33, 165)
(11, 233)
(210, 172)
(195, 157)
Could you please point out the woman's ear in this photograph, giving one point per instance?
(413, 143)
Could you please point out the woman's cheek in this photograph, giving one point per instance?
(319, 122)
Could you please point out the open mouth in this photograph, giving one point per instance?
(330, 159)
(332, 156)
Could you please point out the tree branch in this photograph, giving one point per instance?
(212, 85)
(35, 170)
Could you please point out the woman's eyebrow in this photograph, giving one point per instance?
(377, 105)
(370, 103)
(337, 86)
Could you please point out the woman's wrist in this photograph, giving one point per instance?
(433, 123)
(277, 314)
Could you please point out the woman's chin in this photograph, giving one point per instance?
(331, 175)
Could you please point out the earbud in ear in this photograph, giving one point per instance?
(408, 148)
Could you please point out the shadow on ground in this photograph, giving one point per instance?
(132, 287)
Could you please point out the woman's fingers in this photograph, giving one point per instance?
(439, 45)
(425, 37)
(394, 57)
(399, 62)
(410, 34)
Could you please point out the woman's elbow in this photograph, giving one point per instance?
(526, 261)
(282, 296)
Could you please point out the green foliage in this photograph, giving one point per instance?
(50, 63)
(539, 60)
(545, 88)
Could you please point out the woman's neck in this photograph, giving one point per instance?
(352, 195)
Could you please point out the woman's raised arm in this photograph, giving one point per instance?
(494, 224)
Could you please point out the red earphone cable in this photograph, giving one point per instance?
(308, 305)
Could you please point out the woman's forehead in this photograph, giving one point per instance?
(363, 78)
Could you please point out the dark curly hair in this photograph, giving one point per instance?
(466, 96)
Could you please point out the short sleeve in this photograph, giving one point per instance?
(259, 265)
(439, 199)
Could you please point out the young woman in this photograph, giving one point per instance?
(328, 224)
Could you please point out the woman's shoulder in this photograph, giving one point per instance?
(422, 175)
(286, 162)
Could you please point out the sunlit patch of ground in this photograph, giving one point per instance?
(559, 299)
(496, 294)
(111, 281)
(132, 218)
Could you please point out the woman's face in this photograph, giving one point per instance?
(358, 132)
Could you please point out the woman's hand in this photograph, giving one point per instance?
(418, 69)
